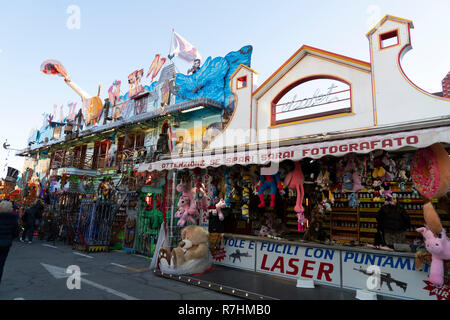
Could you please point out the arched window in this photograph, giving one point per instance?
(312, 97)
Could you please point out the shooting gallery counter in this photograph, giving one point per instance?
(344, 267)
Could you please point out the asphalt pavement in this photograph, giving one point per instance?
(48, 271)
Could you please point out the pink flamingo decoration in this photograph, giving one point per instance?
(294, 180)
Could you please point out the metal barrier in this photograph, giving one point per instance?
(93, 229)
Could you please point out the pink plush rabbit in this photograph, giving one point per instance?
(187, 191)
(439, 247)
(183, 213)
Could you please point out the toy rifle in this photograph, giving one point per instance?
(385, 277)
(238, 255)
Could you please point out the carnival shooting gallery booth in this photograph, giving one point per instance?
(295, 185)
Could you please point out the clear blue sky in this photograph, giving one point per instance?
(118, 37)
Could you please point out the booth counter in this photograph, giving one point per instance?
(387, 273)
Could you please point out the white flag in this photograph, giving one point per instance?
(183, 49)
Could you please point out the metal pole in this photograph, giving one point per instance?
(174, 178)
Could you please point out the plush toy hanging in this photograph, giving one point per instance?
(347, 181)
(186, 204)
(228, 187)
(213, 195)
(323, 181)
(387, 194)
(246, 183)
(295, 180)
(430, 173)
(269, 182)
(183, 211)
(201, 197)
(353, 201)
(377, 190)
(439, 247)
(219, 206)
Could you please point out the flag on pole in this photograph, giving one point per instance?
(183, 49)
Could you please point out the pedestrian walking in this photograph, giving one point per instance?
(31, 220)
(9, 230)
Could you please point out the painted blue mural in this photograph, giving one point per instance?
(212, 79)
(39, 136)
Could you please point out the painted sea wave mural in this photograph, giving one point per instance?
(212, 79)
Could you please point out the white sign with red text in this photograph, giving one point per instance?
(338, 148)
(292, 261)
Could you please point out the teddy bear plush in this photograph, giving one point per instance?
(192, 248)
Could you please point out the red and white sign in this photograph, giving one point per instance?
(292, 261)
(389, 142)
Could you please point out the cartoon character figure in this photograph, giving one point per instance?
(269, 182)
(134, 80)
(377, 190)
(114, 92)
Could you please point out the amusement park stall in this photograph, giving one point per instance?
(303, 179)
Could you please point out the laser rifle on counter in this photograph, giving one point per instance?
(385, 277)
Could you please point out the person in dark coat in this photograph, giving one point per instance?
(9, 230)
(392, 222)
(31, 220)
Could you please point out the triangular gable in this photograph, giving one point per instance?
(239, 68)
(392, 18)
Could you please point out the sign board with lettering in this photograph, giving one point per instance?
(389, 142)
(389, 275)
(292, 261)
(311, 99)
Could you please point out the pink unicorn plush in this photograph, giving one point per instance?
(439, 247)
